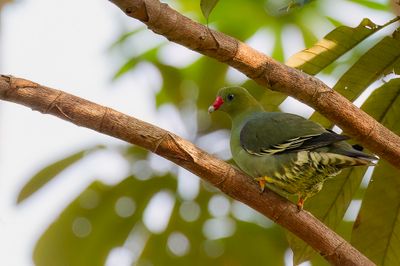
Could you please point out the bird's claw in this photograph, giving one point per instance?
(261, 182)
(300, 204)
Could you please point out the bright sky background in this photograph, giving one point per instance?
(61, 44)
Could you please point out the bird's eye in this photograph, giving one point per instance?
(230, 97)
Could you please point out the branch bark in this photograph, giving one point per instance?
(170, 146)
(165, 21)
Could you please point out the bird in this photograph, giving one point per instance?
(283, 150)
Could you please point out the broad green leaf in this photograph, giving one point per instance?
(383, 104)
(376, 231)
(342, 39)
(99, 220)
(46, 174)
(377, 228)
(380, 60)
(207, 6)
(329, 206)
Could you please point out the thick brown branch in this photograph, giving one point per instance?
(229, 180)
(165, 21)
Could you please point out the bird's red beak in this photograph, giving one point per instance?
(216, 105)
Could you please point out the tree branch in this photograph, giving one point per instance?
(170, 146)
(163, 20)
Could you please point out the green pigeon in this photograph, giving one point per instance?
(284, 150)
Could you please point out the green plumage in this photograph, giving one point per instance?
(284, 150)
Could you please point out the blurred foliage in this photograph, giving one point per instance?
(207, 227)
(97, 221)
(46, 174)
(379, 216)
(211, 228)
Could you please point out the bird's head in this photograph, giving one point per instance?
(234, 100)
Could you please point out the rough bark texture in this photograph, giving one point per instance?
(168, 145)
(163, 20)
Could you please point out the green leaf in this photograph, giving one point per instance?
(191, 82)
(308, 36)
(383, 104)
(380, 60)
(342, 39)
(93, 224)
(376, 232)
(207, 88)
(334, 21)
(377, 228)
(124, 37)
(354, 92)
(372, 4)
(149, 55)
(278, 53)
(46, 174)
(270, 100)
(329, 206)
(207, 6)
(134, 153)
(171, 91)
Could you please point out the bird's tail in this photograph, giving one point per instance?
(354, 154)
(352, 159)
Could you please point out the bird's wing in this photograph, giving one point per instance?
(275, 133)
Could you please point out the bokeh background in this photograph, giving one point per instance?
(91, 49)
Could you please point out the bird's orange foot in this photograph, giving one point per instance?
(261, 182)
(300, 203)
